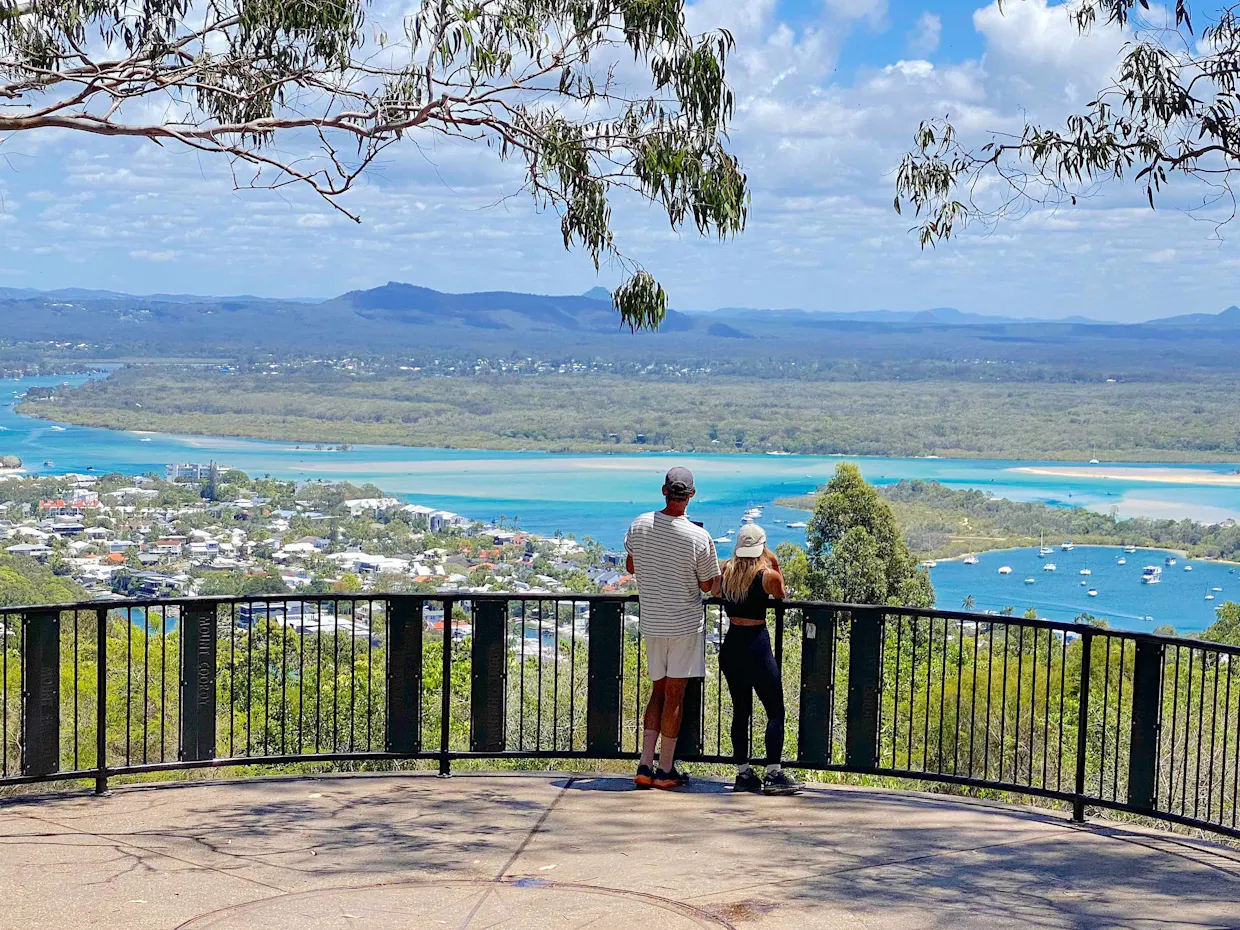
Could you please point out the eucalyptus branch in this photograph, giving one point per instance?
(1172, 111)
(241, 75)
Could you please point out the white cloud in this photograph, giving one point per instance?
(147, 255)
(923, 38)
(872, 11)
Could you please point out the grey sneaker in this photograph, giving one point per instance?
(780, 783)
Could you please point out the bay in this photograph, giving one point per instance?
(597, 495)
(1179, 600)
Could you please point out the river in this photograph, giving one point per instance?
(596, 495)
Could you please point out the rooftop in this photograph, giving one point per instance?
(557, 850)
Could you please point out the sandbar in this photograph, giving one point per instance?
(1120, 473)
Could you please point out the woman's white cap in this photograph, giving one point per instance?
(750, 542)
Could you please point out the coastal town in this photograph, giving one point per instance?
(205, 529)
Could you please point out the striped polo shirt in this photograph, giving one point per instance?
(670, 556)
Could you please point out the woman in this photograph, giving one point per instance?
(750, 580)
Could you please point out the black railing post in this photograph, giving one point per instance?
(445, 710)
(101, 701)
(1082, 727)
(864, 690)
(404, 674)
(489, 677)
(1147, 679)
(41, 672)
(817, 684)
(603, 675)
(198, 674)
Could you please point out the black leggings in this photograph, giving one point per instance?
(748, 665)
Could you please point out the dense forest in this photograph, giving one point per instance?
(689, 412)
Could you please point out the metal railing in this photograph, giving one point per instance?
(1088, 716)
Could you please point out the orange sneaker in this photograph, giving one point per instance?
(669, 781)
(644, 777)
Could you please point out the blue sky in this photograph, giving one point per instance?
(829, 94)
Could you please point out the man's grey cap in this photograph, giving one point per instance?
(678, 483)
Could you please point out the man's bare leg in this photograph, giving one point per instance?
(652, 721)
(673, 710)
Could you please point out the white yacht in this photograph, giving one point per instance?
(1216, 589)
(1209, 597)
(1048, 567)
(1130, 549)
(799, 525)
(1122, 561)
(1005, 570)
(1043, 549)
(1066, 545)
(1188, 568)
(1085, 571)
(1169, 560)
(723, 539)
(970, 560)
(1092, 592)
(1029, 580)
(929, 563)
(1151, 574)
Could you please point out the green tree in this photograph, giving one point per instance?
(348, 583)
(855, 551)
(24, 581)
(534, 80)
(211, 488)
(1226, 629)
(969, 603)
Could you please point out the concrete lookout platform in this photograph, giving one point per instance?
(558, 851)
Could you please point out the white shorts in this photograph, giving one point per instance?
(676, 656)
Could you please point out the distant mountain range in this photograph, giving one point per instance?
(398, 317)
(944, 316)
(408, 304)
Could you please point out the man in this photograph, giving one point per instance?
(675, 563)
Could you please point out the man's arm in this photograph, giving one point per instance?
(708, 568)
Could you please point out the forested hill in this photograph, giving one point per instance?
(404, 318)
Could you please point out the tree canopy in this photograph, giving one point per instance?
(1226, 629)
(24, 581)
(1172, 110)
(855, 550)
(592, 97)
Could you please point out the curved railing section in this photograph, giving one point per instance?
(1089, 716)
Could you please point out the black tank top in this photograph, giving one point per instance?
(756, 601)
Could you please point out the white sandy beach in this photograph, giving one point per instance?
(1120, 473)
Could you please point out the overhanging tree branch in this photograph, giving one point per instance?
(536, 79)
(1172, 111)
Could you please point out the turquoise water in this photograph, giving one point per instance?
(597, 495)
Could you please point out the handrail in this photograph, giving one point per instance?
(1085, 715)
(789, 604)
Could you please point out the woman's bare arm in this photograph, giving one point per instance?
(773, 582)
